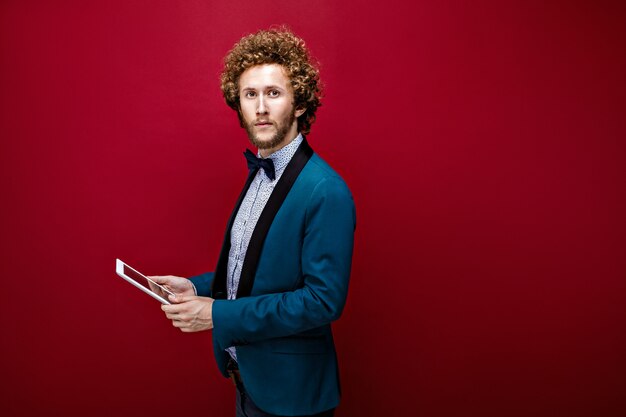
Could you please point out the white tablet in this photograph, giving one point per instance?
(140, 281)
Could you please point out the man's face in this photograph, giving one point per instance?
(267, 112)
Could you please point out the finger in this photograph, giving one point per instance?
(178, 299)
(172, 308)
(155, 289)
(160, 279)
(180, 324)
(172, 316)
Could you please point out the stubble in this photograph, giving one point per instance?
(282, 127)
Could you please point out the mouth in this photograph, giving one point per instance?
(263, 124)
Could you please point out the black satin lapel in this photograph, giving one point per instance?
(286, 181)
(218, 290)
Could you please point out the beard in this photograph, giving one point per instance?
(282, 128)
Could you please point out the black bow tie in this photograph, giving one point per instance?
(256, 163)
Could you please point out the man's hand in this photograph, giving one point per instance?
(190, 313)
(178, 285)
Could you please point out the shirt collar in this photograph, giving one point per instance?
(282, 156)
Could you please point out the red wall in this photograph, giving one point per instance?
(484, 145)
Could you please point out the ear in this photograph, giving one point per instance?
(299, 112)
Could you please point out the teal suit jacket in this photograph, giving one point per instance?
(294, 284)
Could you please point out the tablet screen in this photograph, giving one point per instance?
(128, 271)
(142, 282)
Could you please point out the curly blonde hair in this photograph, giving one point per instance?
(275, 46)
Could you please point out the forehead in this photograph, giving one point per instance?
(262, 76)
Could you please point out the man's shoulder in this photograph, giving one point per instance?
(319, 170)
(319, 179)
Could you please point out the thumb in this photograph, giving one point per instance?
(181, 298)
(158, 279)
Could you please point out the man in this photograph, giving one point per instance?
(282, 275)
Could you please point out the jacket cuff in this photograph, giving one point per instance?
(202, 284)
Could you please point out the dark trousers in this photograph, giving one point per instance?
(246, 408)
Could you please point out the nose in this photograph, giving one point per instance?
(261, 108)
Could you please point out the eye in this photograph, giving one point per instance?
(273, 93)
(250, 94)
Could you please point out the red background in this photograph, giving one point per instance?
(484, 145)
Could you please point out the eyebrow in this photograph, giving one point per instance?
(267, 87)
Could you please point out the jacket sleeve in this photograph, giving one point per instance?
(326, 260)
(203, 283)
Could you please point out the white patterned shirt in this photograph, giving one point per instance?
(248, 215)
